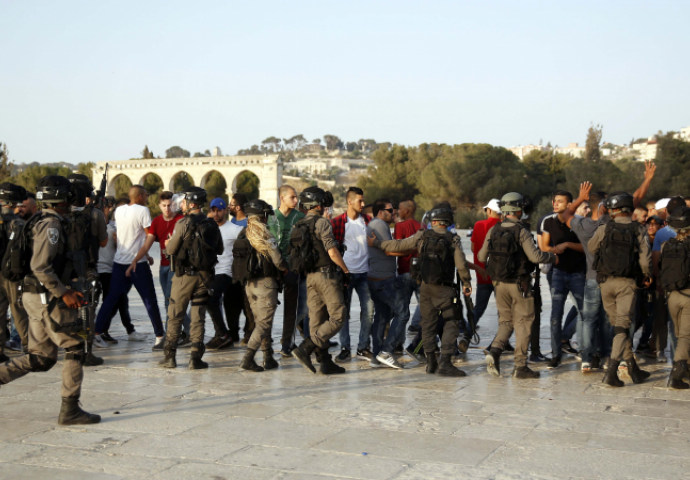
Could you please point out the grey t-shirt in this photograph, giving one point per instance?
(380, 264)
(585, 228)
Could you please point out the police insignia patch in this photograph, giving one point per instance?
(53, 235)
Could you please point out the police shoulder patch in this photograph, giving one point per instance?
(53, 235)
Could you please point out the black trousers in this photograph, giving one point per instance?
(222, 292)
(235, 302)
(290, 297)
(122, 306)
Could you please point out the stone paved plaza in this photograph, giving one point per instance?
(374, 424)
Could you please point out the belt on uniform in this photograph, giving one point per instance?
(190, 271)
(327, 269)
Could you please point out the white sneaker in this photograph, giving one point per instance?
(160, 343)
(375, 363)
(136, 337)
(661, 358)
(98, 342)
(389, 360)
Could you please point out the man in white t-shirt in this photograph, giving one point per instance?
(350, 229)
(133, 222)
(222, 283)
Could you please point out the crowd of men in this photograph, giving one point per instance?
(624, 266)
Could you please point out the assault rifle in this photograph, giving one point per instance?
(104, 185)
(459, 297)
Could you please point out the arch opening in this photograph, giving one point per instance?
(215, 185)
(248, 183)
(119, 186)
(180, 181)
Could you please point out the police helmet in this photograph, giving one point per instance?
(314, 196)
(195, 195)
(82, 182)
(258, 208)
(11, 193)
(109, 201)
(619, 201)
(512, 202)
(679, 219)
(56, 189)
(441, 213)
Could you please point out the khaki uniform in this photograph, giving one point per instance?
(263, 299)
(187, 286)
(515, 312)
(100, 233)
(9, 296)
(618, 293)
(679, 308)
(435, 298)
(325, 295)
(48, 247)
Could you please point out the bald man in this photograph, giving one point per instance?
(132, 224)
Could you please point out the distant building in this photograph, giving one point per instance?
(684, 134)
(217, 152)
(522, 151)
(573, 149)
(313, 148)
(646, 150)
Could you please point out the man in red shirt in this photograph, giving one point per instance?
(407, 227)
(484, 284)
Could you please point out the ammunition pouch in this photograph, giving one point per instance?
(524, 284)
(77, 353)
(32, 285)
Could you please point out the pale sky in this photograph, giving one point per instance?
(96, 80)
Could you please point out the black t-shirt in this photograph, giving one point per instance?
(570, 261)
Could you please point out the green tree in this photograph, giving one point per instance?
(146, 154)
(592, 150)
(332, 142)
(216, 186)
(248, 183)
(389, 177)
(87, 169)
(5, 165)
(30, 177)
(181, 181)
(176, 152)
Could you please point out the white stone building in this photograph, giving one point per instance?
(573, 149)
(523, 150)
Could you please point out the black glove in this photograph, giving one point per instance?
(347, 278)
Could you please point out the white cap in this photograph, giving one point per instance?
(661, 204)
(493, 205)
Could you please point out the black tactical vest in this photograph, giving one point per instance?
(324, 259)
(507, 260)
(437, 258)
(618, 255)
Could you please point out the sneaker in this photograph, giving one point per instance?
(538, 358)
(98, 342)
(184, 342)
(596, 362)
(605, 363)
(586, 367)
(623, 370)
(365, 354)
(286, 351)
(646, 350)
(661, 358)
(388, 359)
(375, 363)
(463, 345)
(108, 339)
(343, 356)
(332, 344)
(508, 349)
(419, 356)
(414, 329)
(554, 363)
(14, 345)
(160, 343)
(136, 337)
(227, 343)
(567, 348)
(214, 342)
(398, 350)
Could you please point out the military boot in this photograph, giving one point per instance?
(303, 354)
(92, 360)
(195, 361)
(675, 380)
(169, 359)
(446, 367)
(431, 363)
(270, 362)
(328, 366)
(611, 376)
(72, 414)
(636, 373)
(493, 361)
(248, 362)
(525, 373)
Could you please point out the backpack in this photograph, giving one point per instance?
(245, 263)
(674, 272)
(302, 255)
(200, 247)
(507, 261)
(16, 261)
(436, 258)
(618, 254)
(78, 236)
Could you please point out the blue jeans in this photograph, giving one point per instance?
(142, 280)
(389, 305)
(597, 333)
(563, 283)
(407, 287)
(165, 276)
(358, 282)
(481, 301)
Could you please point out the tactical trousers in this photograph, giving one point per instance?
(9, 298)
(263, 299)
(327, 310)
(186, 289)
(43, 346)
(435, 299)
(515, 313)
(618, 297)
(679, 306)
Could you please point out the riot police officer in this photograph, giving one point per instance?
(52, 306)
(440, 254)
(312, 238)
(97, 238)
(258, 264)
(512, 258)
(622, 256)
(11, 224)
(193, 249)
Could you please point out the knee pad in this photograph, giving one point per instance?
(621, 330)
(77, 353)
(40, 363)
(198, 349)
